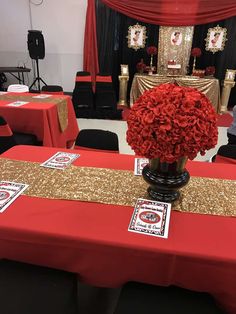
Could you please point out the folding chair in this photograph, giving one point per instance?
(142, 299)
(29, 289)
(94, 139)
(82, 97)
(226, 154)
(9, 139)
(105, 97)
(52, 89)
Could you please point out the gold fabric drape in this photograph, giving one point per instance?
(118, 187)
(209, 87)
(60, 102)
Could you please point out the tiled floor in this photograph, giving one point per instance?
(120, 127)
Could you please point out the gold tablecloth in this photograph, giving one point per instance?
(118, 187)
(209, 86)
(60, 102)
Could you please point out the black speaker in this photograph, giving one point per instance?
(36, 45)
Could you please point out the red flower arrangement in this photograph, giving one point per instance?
(211, 70)
(141, 66)
(196, 52)
(151, 50)
(170, 122)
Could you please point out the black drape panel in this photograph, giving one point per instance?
(222, 60)
(112, 29)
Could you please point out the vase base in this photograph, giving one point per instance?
(167, 197)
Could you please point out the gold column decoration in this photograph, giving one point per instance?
(123, 79)
(228, 83)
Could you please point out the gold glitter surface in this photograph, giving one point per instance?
(118, 187)
(60, 102)
(209, 87)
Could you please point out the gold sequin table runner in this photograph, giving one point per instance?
(118, 187)
(60, 102)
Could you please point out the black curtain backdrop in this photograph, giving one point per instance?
(112, 29)
(222, 60)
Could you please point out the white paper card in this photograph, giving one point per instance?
(17, 103)
(9, 191)
(42, 96)
(151, 218)
(60, 160)
(139, 164)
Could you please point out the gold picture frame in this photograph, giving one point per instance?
(136, 36)
(216, 38)
(174, 49)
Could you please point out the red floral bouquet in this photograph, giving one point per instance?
(196, 52)
(152, 50)
(141, 66)
(211, 70)
(170, 122)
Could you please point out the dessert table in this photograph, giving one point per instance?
(51, 119)
(92, 239)
(208, 86)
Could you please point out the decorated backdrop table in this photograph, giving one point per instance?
(51, 119)
(209, 86)
(92, 239)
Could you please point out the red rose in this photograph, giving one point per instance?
(152, 50)
(210, 70)
(196, 52)
(170, 122)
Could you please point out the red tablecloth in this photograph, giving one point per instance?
(92, 240)
(41, 119)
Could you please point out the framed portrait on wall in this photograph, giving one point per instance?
(136, 36)
(216, 38)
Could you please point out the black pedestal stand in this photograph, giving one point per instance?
(38, 78)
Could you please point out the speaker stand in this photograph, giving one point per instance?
(38, 78)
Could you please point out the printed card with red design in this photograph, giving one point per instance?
(60, 160)
(151, 218)
(18, 103)
(9, 191)
(139, 164)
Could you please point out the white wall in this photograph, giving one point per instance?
(62, 23)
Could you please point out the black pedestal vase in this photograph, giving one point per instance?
(165, 179)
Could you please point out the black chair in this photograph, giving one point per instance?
(28, 289)
(142, 299)
(226, 154)
(9, 139)
(52, 89)
(97, 139)
(105, 97)
(82, 96)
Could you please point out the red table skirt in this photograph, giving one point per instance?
(41, 119)
(92, 240)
